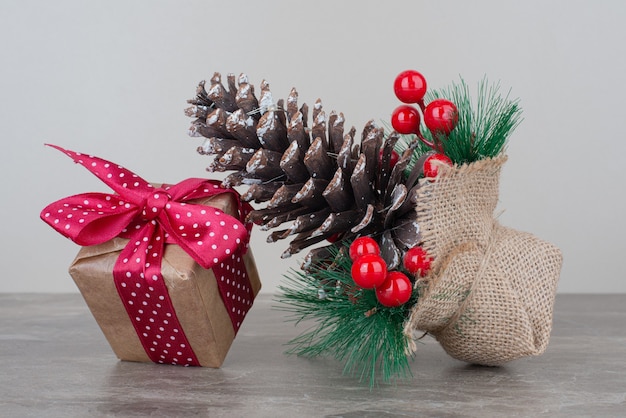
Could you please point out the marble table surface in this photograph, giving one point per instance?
(54, 362)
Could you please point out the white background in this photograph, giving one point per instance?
(111, 78)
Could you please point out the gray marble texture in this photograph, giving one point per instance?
(54, 362)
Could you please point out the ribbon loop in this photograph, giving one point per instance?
(206, 234)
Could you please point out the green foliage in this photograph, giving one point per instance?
(484, 125)
(348, 322)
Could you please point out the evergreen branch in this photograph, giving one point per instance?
(483, 127)
(348, 323)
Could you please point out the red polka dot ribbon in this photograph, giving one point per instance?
(150, 217)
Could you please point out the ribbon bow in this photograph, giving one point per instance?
(150, 217)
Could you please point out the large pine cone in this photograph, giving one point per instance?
(318, 178)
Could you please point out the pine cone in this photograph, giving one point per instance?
(318, 178)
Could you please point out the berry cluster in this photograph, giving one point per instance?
(369, 271)
(440, 115)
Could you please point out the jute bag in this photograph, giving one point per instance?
(490, 294)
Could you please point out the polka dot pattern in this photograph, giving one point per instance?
(151, 217)
(137, 275)
(234, 284)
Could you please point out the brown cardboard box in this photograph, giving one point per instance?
(192, 289)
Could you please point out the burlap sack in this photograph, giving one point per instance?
(489, 297)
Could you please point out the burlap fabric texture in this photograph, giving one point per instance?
(489, 297)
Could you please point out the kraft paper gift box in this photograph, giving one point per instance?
(192, 289)
(166, 271)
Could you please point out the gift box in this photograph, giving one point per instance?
(193, 290)
(166, 271)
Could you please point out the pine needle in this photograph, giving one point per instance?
(348, 323)
(484, 127)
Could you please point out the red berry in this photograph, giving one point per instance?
(431, 169)
(362, 246)
(369, 271)
(393, 160)
(409, 86)
(406, 120)
(441, 116)
(396, 290)
(417, 261)
(334, 237)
